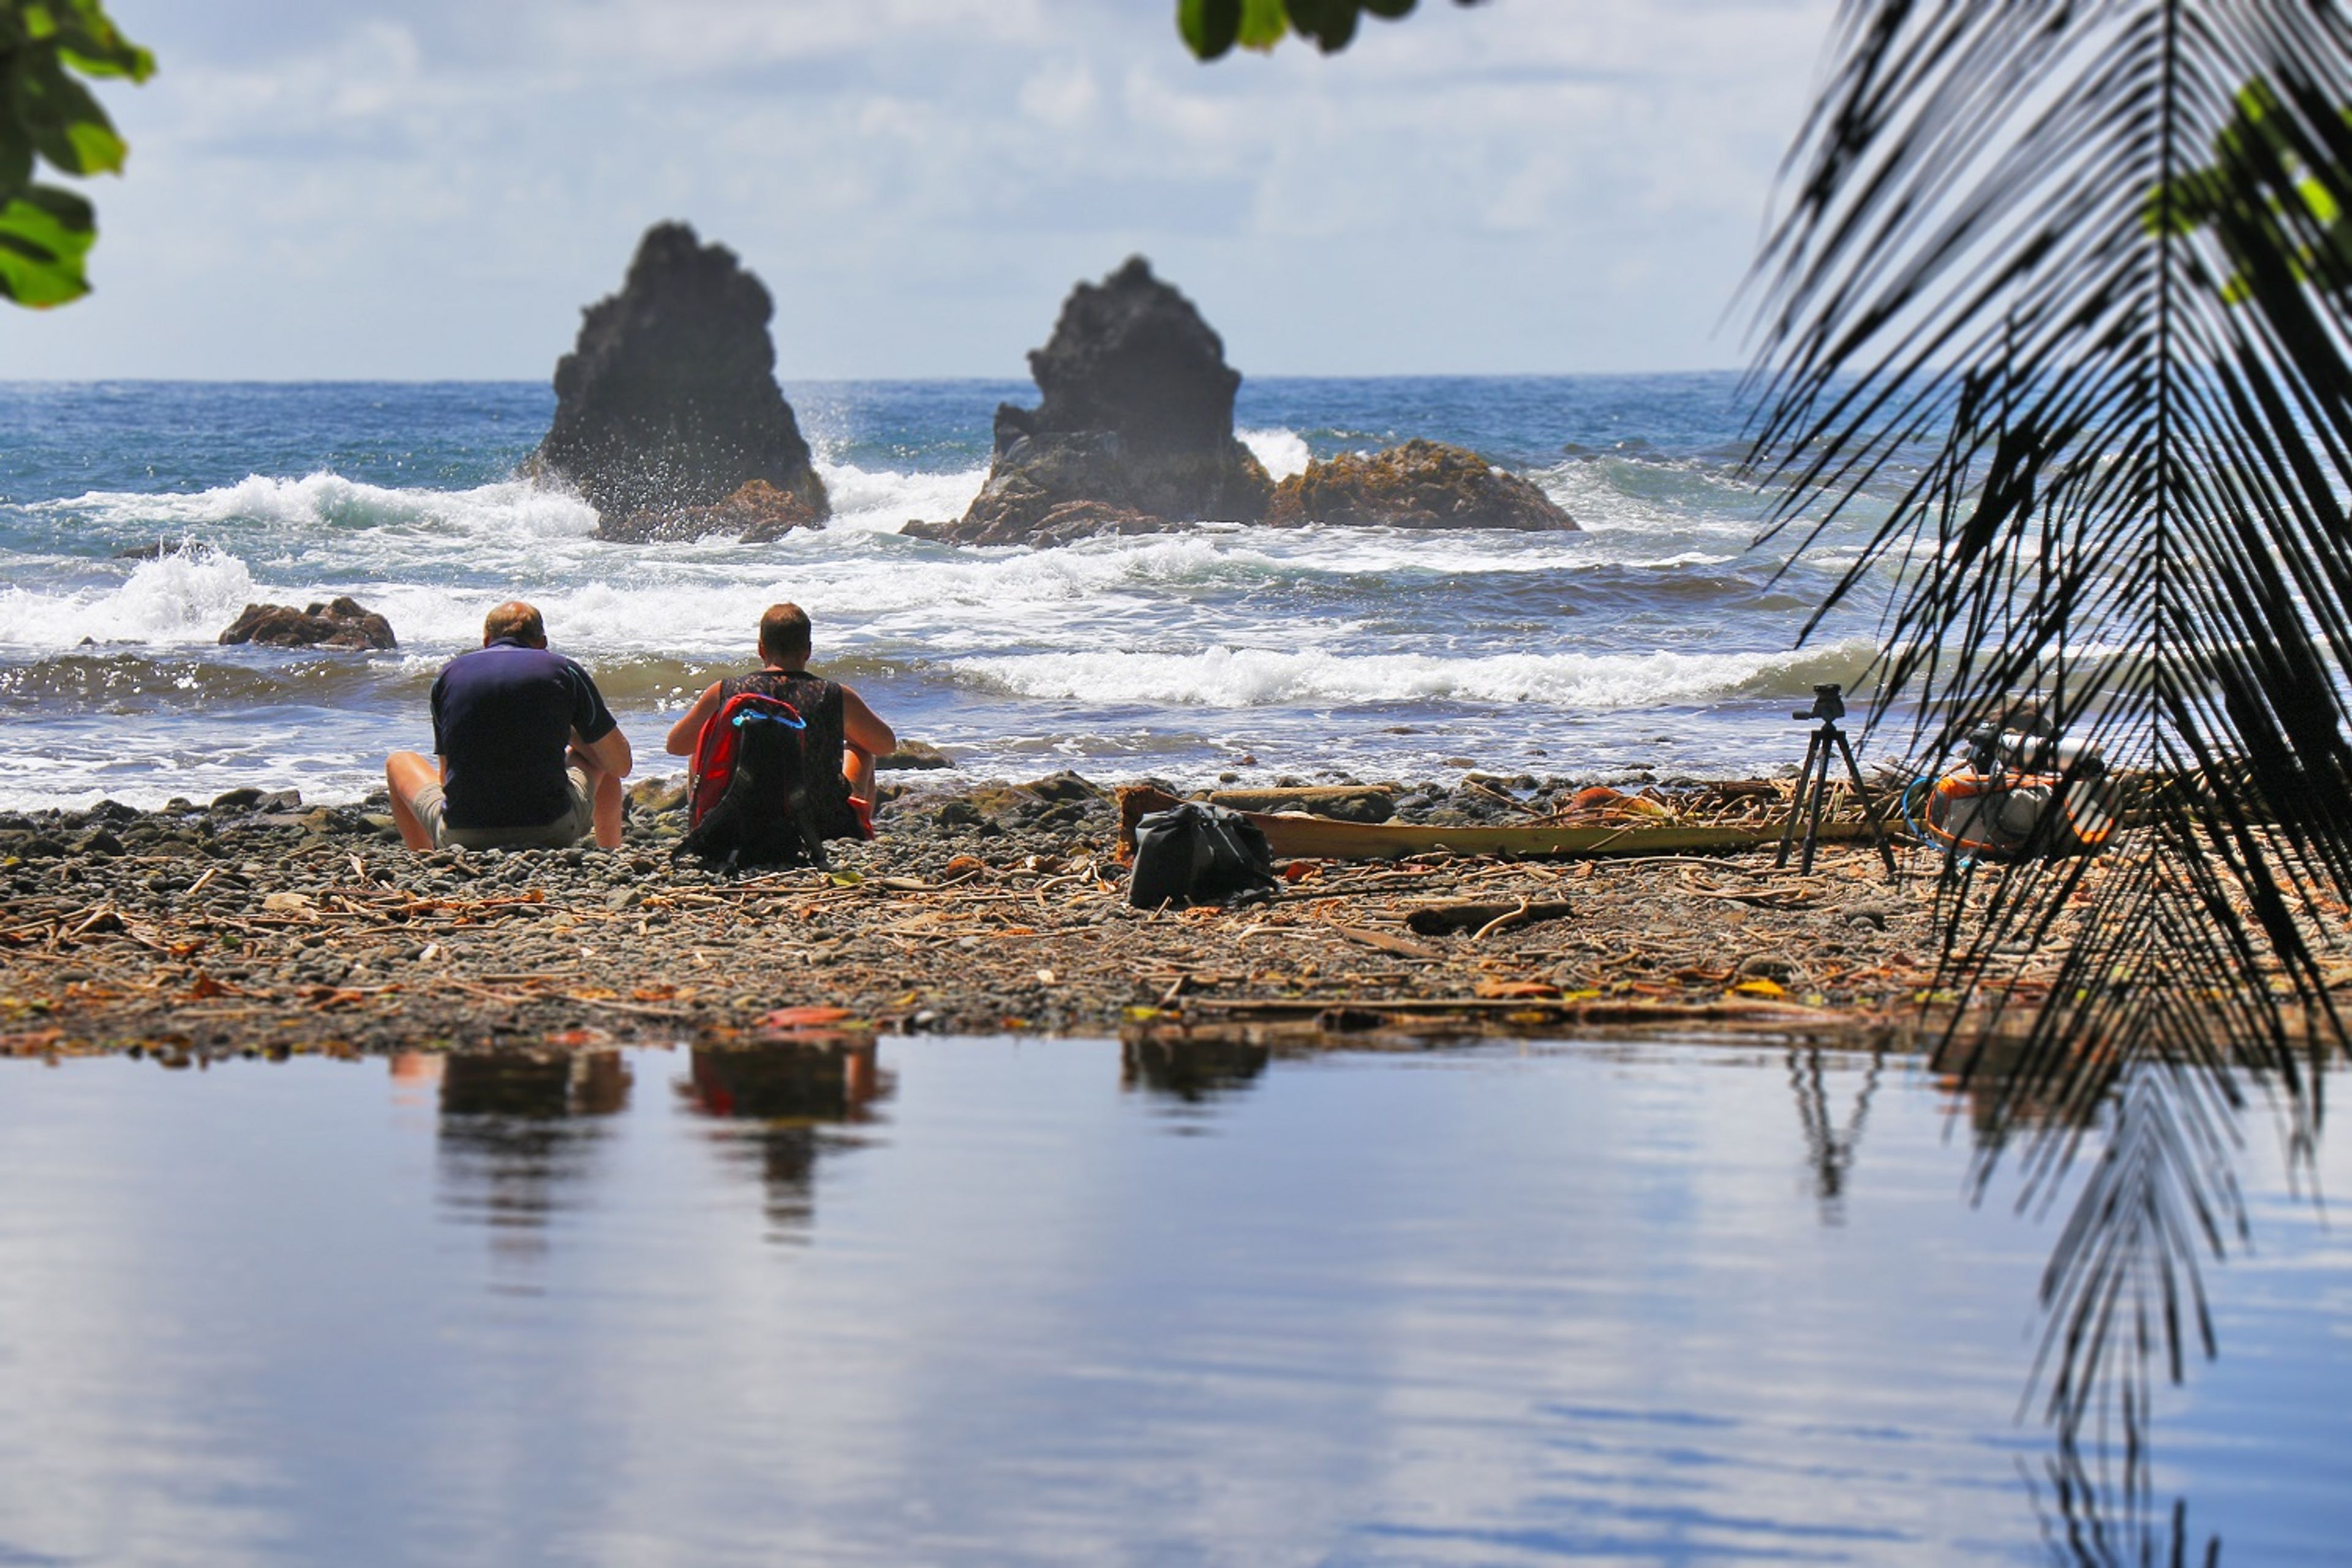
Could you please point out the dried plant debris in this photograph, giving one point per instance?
(258, 924)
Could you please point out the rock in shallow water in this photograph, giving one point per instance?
(345, 623)
(913, 754)
(1422, 484)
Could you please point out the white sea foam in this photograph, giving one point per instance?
(1650, 496)
(881, 500)
(1284, 452)
(514, 509)
(1251, 678)
(186, 596)
(435, 564)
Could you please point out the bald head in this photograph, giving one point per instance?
(516, 620)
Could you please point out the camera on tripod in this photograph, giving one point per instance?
(1813, 781)
(1829, 703)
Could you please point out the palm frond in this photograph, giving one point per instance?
(2066, 289)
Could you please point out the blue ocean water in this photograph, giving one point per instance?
(1661, 636)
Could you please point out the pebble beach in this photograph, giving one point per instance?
(256, 924)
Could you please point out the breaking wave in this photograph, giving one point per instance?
(1249, 678)
(1284, 452)
(187, 593)
(304, 507)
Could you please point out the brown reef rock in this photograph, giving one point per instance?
(669, 403)
(345, 623)
(1422, 484)
(1134, 432)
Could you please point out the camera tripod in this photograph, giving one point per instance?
(1813, 783)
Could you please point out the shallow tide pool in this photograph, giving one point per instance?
(1046, 1302)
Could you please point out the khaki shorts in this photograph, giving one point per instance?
(431, 809)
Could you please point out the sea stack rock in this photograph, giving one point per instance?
(1422, 484)
(667, 410)
(345, 623)
(1135, 433)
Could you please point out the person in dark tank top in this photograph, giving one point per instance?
(839, 722)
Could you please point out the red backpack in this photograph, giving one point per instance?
(713, 768)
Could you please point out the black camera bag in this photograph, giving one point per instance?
(1197, 854)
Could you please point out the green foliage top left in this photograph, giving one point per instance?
(1211, 27)
(47, 116)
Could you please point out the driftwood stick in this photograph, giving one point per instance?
(103, 911)
(1501, 923)
(1444, 920)
(482, 991)
(1518, 805)
(620, 1006)
(1404, 947)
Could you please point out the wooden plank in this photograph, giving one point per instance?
(1296, 837)
(1322, 838)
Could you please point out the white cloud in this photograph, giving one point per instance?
(433, 187)
(1062, 95)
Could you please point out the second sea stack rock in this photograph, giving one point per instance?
(1422, 484)
(1135, 431)
(668, 406)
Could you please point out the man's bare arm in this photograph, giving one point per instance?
(862, 729)
(688, 731)
(610, 751)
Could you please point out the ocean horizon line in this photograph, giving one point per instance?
(1283, 377)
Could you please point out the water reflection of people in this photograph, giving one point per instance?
(518, 1130)
(1192, 1069)
(785, 1092)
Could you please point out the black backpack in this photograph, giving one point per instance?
(764, 815)
(1197, 854)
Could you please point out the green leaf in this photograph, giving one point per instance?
(67, 126)
(127, 60)
(16, 162)
(1209, 27)
(47, 115)
(1330, 22)
(45, 234)
(89, 40)
(1264, 23)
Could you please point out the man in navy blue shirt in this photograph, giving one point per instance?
(529, 754)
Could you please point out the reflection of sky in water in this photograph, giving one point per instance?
(1044, 1305)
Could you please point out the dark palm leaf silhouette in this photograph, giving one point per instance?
(2061, 289)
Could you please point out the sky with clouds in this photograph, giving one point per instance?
(428, 189)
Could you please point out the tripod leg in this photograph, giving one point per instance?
(1797, 801)
(1821, 794)
(1862, 799)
